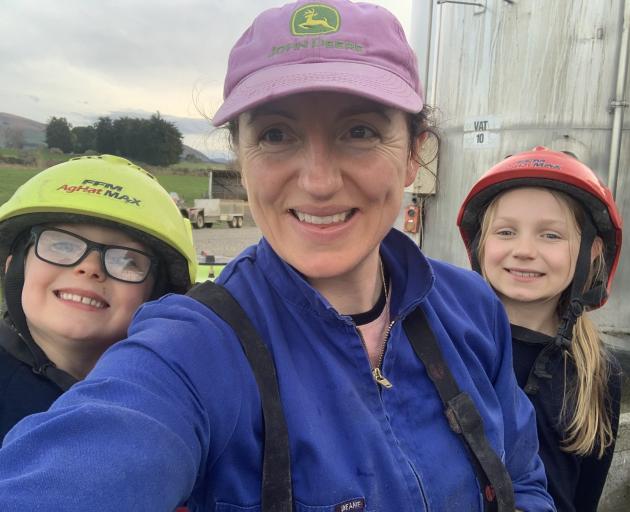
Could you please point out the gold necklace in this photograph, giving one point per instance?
(380, 261)
(376, 371)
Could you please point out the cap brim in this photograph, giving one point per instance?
(359, 79)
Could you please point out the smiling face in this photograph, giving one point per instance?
(325, 174)
(80, 308)
(530, 249)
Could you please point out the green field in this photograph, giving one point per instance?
(188, 187)
(186, 178)
(11, 178)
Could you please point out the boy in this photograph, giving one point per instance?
(82, 245)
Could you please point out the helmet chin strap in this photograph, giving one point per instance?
(13, 286)
(578, 298)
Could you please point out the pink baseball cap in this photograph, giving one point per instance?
(335, 45)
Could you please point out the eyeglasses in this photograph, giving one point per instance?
(66, 249)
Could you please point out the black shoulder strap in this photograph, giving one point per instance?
(463, 416)
(31, 355)
(276, 492)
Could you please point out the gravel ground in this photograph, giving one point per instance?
(221, 240)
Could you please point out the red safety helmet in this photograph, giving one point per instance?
(542, 167)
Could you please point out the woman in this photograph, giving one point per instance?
(326, 121)
(548, 265)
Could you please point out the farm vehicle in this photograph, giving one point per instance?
(225, 201)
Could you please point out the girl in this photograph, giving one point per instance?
(546, 234)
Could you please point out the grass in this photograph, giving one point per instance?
(172, 178)
(188, 187)
(11, 152)
(39, 158)
(11, 178)
(191, 166)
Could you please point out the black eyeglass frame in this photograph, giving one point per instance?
(36, 232)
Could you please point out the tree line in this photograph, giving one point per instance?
(153, 141)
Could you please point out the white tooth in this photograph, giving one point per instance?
(526, 274)
(328, 219)
(82, 300)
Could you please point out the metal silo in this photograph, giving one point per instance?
(508, 75)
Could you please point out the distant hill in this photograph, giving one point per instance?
(34, 135)
(222, 160)
(192, 154)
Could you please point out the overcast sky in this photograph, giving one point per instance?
(81, 59)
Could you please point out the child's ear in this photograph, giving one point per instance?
(596, 248)
(6, 265)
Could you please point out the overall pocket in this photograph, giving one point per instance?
(349, 505)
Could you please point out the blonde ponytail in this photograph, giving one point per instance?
(585, 412)
(587, 422)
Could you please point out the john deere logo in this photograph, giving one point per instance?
(314, 19)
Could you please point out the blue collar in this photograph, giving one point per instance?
(411, 276)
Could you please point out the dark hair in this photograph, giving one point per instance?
(423, 124)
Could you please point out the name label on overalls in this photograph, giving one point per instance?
(356, 505)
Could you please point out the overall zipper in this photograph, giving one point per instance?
(377, 374)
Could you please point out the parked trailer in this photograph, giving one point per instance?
(225, 202)
(206, 212)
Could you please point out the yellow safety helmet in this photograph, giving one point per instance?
(108, 190)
